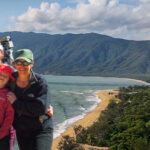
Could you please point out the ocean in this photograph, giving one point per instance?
(72, 97)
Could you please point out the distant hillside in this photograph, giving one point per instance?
(84, 54)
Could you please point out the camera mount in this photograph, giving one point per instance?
(8, 49)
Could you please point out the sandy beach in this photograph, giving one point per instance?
(90, 118)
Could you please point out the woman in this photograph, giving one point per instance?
(33, 126)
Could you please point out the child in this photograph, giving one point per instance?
(6, 110)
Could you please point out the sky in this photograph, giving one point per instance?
(126, 19)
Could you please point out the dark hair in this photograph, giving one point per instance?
(8, 83)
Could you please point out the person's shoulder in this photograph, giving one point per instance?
(15, 74)
(40, 78)
(41, 81)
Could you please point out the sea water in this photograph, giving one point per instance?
(72, 97)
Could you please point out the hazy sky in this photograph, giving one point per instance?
(128, 19)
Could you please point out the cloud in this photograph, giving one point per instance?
(110, 17)
(77, 1)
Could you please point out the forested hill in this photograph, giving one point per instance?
(84, 54)
(123, 125)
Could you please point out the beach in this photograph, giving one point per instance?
(91, 117)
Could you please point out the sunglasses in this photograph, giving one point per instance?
(19, 63)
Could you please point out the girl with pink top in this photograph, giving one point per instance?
(12, 133)
(6, 110)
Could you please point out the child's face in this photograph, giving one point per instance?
(3, 79)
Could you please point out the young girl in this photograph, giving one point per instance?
(6, 110)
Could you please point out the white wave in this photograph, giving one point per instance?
(93, 98)
(73, 92)
(96, 101)
(82, 108)
(89, 91)
(61, 127)
(91, 108)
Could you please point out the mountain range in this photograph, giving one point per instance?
(84, 54)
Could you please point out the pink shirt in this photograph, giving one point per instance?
(6, 114)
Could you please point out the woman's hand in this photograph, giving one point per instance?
(11, 97)
(50, 111)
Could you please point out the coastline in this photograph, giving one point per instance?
(91, 117)
(141, 81)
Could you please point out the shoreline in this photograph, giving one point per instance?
(61, 127)
(91, 117)
(138, 80)
(141, 81)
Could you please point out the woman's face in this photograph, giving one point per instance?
(21, 67)
(3, 79)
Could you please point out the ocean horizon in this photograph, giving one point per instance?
(72, 97)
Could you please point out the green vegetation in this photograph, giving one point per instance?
(69, 143)
(124, 125)
(86, 54)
